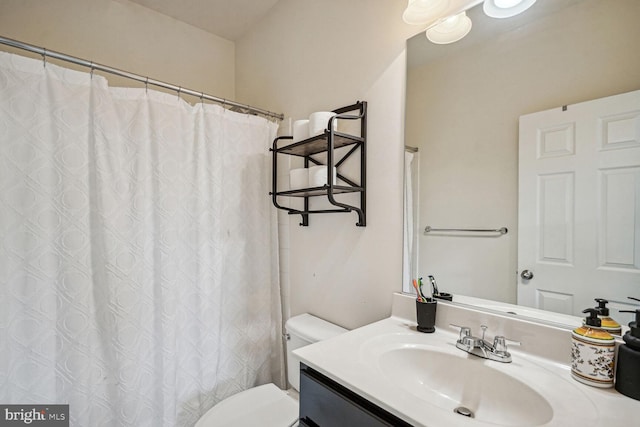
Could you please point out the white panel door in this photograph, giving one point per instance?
(579, 205)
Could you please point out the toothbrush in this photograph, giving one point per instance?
(415, 285)
(420, 288)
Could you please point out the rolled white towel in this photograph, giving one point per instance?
(319, 121)
(318, 176)
(298, 178)
(300, 130)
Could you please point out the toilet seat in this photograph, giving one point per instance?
(265, 405)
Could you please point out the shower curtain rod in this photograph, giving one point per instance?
(146, 80)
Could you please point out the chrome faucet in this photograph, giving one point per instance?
(481, 348)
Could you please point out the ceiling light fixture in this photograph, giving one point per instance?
(450, 30)
(446, 20)
(506, 8)
(422, 11)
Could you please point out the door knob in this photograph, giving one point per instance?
(526, 274)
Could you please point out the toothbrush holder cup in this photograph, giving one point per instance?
(426, 315)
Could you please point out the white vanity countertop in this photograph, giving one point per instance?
(351, 360)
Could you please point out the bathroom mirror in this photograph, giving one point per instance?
(463, 103)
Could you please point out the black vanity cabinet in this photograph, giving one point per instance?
(325, 403)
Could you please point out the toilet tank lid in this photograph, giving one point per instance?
(311, 328)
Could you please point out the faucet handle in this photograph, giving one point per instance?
(465, 331)
(500, 343)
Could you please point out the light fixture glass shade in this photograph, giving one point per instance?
(419, 12)
(450, 30)
(506, 8)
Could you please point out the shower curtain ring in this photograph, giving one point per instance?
(92, 70)
(179, 90)
(202, 97)
(44, 57)
(146, 85)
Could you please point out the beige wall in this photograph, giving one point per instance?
(463, 113)
(124, 35)
(308, 56)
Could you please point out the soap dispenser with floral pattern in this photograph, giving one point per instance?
(592, 352)
(608, 324)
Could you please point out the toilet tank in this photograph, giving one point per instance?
(302, 330)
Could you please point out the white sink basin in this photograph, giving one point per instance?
(422, 378)
(430, 370)
(454, 382)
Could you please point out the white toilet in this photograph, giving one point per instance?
(267, 405)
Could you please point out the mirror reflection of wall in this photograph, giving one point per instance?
(463, 102)
(410, 226)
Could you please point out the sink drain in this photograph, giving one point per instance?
(465, 412)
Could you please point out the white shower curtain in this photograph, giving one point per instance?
(138, 276)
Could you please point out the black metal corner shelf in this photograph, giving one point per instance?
(319, 191)
(318, 144)
(327, 142)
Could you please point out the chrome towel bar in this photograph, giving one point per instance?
(502, 230)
